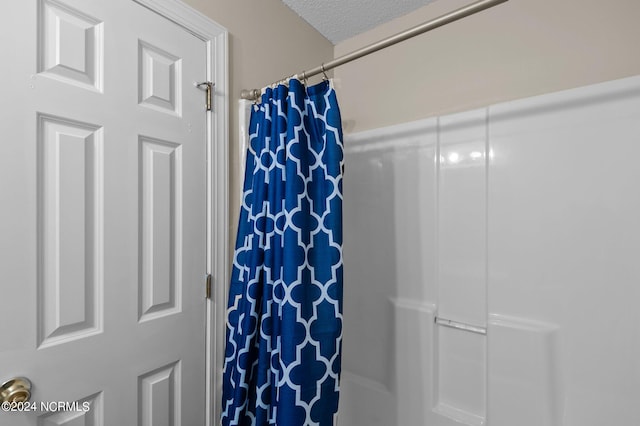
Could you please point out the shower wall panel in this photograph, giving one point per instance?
(521, 219)
(461, 265)
(564, 249)
(391, 247)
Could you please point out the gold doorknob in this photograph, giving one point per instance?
(17, 389)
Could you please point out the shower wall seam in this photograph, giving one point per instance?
(487, 162)
(436, 330)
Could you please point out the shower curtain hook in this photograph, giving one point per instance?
(304, 78)
(324, 73)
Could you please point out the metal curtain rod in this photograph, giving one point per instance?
(470, 9)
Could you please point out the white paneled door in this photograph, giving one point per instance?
(102, 214)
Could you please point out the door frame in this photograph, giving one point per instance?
(216, 38)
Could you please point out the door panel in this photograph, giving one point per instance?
(69, 202)
(103, 224)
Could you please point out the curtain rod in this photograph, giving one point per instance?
(470, 9)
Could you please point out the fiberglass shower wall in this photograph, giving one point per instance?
(520, 218)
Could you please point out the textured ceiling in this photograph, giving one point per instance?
(339, 20)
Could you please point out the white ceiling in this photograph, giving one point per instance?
(339, 20)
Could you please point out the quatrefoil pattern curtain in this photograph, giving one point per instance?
(284, 319)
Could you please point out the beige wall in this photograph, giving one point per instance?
(518, 49)
(267, 41)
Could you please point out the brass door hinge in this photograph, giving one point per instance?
(208, 287)
(209, 88)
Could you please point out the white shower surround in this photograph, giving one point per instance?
(523, 217)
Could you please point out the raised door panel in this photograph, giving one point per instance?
(70, 45)
(160, 228)
(159, 396)
(70, 249)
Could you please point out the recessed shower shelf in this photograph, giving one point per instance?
(460, 325)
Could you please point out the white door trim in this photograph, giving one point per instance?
(216, 38)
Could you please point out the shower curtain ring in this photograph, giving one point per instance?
(304, 78)
(324, 73)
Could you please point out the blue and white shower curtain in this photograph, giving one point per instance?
(284, 319)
